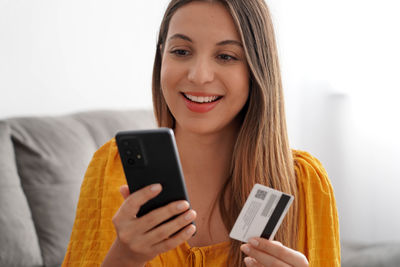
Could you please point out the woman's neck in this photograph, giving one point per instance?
(206, 158)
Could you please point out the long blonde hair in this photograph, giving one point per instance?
(261, 153)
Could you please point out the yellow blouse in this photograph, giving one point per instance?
(93, 232)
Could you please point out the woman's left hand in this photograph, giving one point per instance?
(262, 252)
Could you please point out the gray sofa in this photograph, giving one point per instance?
(42, 163)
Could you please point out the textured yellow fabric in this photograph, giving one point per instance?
(93, 231)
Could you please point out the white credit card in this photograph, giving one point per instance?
(262, 214)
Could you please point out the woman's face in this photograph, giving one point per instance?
(204, 73)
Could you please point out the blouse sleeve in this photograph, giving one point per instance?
(93, 232)
(318, 218)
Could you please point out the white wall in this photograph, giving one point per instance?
(62, 56)
(340, 65)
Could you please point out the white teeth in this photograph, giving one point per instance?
(201, 99)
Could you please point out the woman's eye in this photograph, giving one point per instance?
(180, 52)
(225, 57)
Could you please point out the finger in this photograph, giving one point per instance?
(165, 230)
(262, 257)
(132, 204)
(124, 190)
(157, 216)
(251, 262)
(172, 242)
(277, 250)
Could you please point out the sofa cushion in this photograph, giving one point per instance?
(372, 255)
(102, 125)
(19, 244)
(52, 154)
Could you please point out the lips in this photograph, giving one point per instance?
(200, 102)
(201, 99)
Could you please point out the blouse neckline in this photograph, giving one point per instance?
(221, 245)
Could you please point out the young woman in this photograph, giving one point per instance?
(216, 82)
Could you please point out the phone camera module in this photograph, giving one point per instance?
(131, 161)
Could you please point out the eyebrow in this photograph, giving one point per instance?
(230, 42)
(180, 36)
(222, 43)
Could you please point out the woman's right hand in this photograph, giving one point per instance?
(138, 239)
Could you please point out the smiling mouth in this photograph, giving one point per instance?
(201, 99)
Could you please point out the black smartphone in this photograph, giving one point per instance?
(149, 157)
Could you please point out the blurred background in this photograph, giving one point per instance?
(340, 65)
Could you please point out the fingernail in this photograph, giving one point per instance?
(190, 230)
(189, 216)
(155, 187)
(248, 260)
(253, 242)
(182, 205)
(245, 249)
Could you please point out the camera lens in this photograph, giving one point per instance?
(131, 161)
(128, 152)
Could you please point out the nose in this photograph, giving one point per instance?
(201, 71)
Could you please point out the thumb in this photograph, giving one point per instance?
(124, 190)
